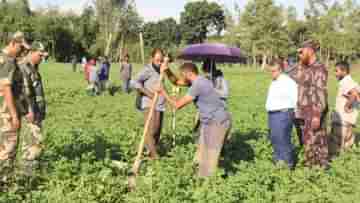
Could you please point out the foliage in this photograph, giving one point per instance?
(199, 19)
(261, 30)
(163, 34)
(91, 142)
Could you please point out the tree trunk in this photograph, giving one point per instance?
(320, 51)
(328, 58)
(120, 53)
(108, 45)
(53, 49)
(254, 56)
(254, 60)
(142, 47)
(263, 65)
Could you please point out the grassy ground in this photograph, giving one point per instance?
(91, 143)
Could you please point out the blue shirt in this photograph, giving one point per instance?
(208, 101)
(283, 93)
(104, 71)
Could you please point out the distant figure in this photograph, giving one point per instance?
(74, 62)
(83, 63)
(93, 88)
(87, 71)
(125, 73)
(344, 117)
(104, 74)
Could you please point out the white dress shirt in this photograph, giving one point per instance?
(283, 93)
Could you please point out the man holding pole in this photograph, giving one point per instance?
(146, 82)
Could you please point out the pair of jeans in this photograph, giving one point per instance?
(281, 124)
(126, 85)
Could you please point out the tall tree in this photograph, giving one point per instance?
(109, 14)
(201, 18)
(261, 30)
(162, 34)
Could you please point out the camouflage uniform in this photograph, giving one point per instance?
(312, 103)
(10, 74)
(31, 131)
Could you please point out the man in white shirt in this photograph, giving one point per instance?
(280, 105)
(344, 117)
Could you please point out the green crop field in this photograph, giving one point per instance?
(91, 143)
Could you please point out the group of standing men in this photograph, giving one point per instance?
(301, 99)
(22, 107)
(297, 96)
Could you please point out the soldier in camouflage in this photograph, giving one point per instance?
(13, 104)
(312, 107)
(31, 147)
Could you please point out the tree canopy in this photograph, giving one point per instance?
(263, 29)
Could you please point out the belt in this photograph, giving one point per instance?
(282, 111)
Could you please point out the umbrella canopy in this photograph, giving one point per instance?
(217, 52)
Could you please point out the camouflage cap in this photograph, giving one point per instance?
(311, 44)
(38, 46)
(19, 37)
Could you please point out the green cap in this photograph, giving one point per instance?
(38, 46)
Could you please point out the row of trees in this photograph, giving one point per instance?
(107, 27)
(98, 30)
(263, 29)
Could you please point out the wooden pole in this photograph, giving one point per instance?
(142, 47)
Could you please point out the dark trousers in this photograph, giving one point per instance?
(299, 125)
(280, 124)
(126, 85)
(152, 138)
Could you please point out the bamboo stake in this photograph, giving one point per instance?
(137, 162)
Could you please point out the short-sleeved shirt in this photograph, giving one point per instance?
(345, 86)
(125, 71)
(10, 74)
(93, 74)
(282, 94)
(104, 71)
(35, 89)
(149, 79)
(208, 101)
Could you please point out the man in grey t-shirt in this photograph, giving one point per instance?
(146, 83)
(215, 121)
